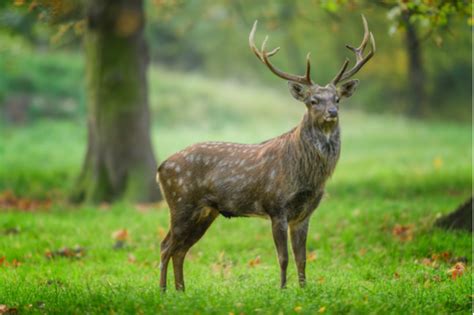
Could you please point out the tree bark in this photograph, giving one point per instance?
(416, 73)
(119, 163)
(460, 219)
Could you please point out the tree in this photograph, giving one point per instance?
(418, 20)
(119, 162)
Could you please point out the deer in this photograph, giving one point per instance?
(281, 179)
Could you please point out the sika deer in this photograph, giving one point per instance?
(281, 179)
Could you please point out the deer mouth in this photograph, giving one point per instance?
(330, 119)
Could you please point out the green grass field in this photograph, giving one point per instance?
(393, 172)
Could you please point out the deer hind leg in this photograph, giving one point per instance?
(280, 237)
(165, 257)
(187, 233)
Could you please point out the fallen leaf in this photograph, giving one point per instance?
(362, 252)
(457, 270)
(322, 309)
(321, 280)
(4, 309)
(8, 200)
(254, 262)
(120, 235)
(298, 309)
(396, 275)
(311, 256)
(67, 252)
(403, 233)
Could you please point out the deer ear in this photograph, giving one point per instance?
(347, 88)
(297, 90)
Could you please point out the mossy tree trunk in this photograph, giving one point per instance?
(416, 72)
(119, 163)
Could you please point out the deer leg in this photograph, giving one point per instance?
(190, 236)
(298, 235)
(165, 257)
(280, 237)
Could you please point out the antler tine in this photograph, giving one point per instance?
(308, 68)
(338, 76)
(264, 56)
(359, 53)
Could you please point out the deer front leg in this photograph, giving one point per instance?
(299, 234)
(280, 237)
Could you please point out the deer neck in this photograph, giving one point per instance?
(317, 137)
(315, 150)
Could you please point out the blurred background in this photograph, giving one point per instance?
(203, 83)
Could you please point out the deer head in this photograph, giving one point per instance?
(321, 101)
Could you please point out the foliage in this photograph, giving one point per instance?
(372, 248)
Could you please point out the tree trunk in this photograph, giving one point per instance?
(119, 163)
(460, 219)
(416, 73)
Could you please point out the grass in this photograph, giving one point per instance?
(392, 171)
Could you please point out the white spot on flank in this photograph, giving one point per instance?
(168, 182)
(178, 169)
(188, 173)
(180, 181)
(179, 199)
(272, 174)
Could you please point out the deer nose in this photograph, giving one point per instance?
(332, 112)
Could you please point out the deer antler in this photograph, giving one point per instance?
(359, 52)
(264, 56)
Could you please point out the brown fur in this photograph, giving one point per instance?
(281, 179)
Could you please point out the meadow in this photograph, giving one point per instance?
(372, 245)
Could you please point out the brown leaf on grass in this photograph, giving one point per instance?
(457, 270)
(403, 233)
(311, 256)
(362, 252)
(8, 201)
(444, 256)
(67, 252)
(254, 262)
(120, 235)
(321, 280)
(13, 263)
(4, 309)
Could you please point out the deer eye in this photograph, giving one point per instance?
(314, 102)
(337, 99)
